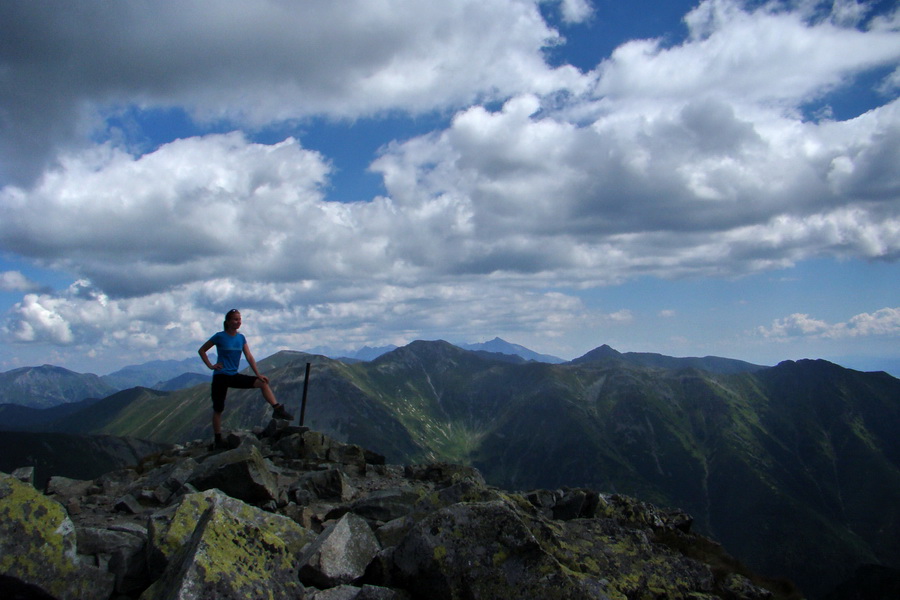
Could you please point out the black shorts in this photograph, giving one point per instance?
(220, 384)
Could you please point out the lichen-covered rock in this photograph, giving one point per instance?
(219, 548)
(641, 514)
(483, 550)
(241, 473)
(648, 556)
(628, 560)
(340, 554)
(171, 529)
(738, 586)
(38, 546)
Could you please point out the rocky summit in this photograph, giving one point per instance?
(289, 513)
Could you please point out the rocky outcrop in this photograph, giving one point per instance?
(214, 546)
(38, 543)
(340, 554)
(241, 473)
(290, 513)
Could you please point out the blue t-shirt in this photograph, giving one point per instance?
(228, 351)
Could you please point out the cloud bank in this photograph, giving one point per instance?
(688, 159)
(884, 322)
(255, 63)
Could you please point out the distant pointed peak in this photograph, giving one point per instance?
(603, 352)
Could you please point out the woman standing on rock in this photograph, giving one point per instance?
(229, 346)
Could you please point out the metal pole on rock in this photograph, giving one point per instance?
(305, 390)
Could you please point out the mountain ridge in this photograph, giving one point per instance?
(501, 346)
(783, 445)
(49, 385)
(173, 375)
(714, 364)
(154, 373)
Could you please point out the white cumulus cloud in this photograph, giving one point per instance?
(884, 322)
(258, 62)
(15, 281)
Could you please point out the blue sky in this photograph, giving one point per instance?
(690, 178)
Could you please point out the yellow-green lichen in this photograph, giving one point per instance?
(234, 546)
(39, 526)
(500, 557)
(440, 553)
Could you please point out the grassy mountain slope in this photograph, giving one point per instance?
(110, 414)
(795, 468)
(180, 382)
(832, 438)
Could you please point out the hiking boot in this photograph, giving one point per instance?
(218, 445)
(280, 413)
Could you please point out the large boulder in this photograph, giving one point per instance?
(241, 473)
(340, 554)
(214, 547)
(38, 548)
(631, 562)
(637, 550)
(483, 550)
